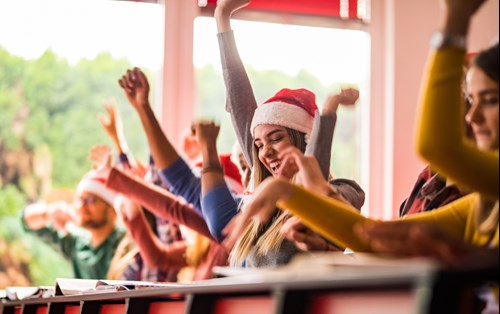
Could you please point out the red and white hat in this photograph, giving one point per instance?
(93, 182)
(291, 108)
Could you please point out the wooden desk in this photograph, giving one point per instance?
(383, 290)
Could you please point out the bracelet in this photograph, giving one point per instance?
(440, 40)
(206, 169)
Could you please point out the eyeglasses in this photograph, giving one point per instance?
(88, 200)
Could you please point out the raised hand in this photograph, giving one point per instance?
(136, 87)
(112, 124)
(100, 155)
(347, 97)
(207, 132)
(306, 167)
(140, 170)
(60, 213)
(224, 10)
(230, 6)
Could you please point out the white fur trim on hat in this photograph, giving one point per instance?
(98, 187)
(282, 114)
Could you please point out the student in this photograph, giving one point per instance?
(89, 249)
(431, 189)
(286, 119)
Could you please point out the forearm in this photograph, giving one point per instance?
(212, 173)
(320, 141)
(240, 101)
(218, 207)
(154, 252)
(163, 152)
(181, 181)
(455, 22)
(157, 200)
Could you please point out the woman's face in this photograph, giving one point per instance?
(270, 140)
(482, 95)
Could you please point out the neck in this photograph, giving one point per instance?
(100, 235)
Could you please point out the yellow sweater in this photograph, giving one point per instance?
(441, 127)
(335, 220)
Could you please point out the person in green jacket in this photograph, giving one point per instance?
(86, 231)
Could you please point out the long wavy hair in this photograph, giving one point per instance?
(265, 237)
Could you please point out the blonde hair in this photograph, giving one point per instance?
(124, 255)
(195, 254)
(266, 237)
(486, 215)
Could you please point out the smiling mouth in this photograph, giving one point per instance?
(275, 166)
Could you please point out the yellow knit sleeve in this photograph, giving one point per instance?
(455, 218)
(329, 217)
(440, 133)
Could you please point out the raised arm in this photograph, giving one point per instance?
(240, 101)
(136, 88)
(218, 205)
(183, 183)
(440, 127)
(320, 142)
(155, 253)
(113, 126)
(157, 200)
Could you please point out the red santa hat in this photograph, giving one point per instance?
(93, 182)
(232, 174)
(291, 108)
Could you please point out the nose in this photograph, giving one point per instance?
(268, 150)
(474, 114)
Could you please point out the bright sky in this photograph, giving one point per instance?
(76, 29)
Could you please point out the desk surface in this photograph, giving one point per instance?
(313, 290)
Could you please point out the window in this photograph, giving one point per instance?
(323, 60)
(59, 60)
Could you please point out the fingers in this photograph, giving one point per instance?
(129, 81)
(139, 77)
(97, 152)
(411, 239)
(103, 119)
(207, 131)
(349, 96)
(288, 167)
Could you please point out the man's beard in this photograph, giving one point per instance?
(94, 224)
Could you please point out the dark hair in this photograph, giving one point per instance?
(487, 61)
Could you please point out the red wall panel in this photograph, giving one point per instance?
(313, 7)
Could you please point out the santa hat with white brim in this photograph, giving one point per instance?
(93, 182)
(291, 108)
